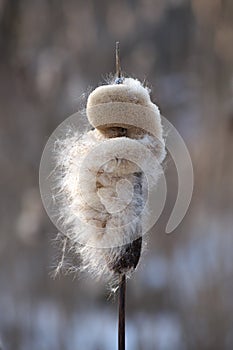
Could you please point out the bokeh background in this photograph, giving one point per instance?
(51, 52)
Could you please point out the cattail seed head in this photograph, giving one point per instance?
(105, 177)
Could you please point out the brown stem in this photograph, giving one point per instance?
(119, 78)
(118, 65)
(121, 320)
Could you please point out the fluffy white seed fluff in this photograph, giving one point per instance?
(103, 176)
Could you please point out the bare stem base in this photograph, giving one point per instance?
(121, 320)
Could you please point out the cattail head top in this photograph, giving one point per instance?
(123, 105)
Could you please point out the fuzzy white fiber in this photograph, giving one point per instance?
(103, 183)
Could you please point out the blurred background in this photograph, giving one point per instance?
(51, 52)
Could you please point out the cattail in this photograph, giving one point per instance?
(105, 177)
(103, 181)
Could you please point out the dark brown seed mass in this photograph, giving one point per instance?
(129, 257)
